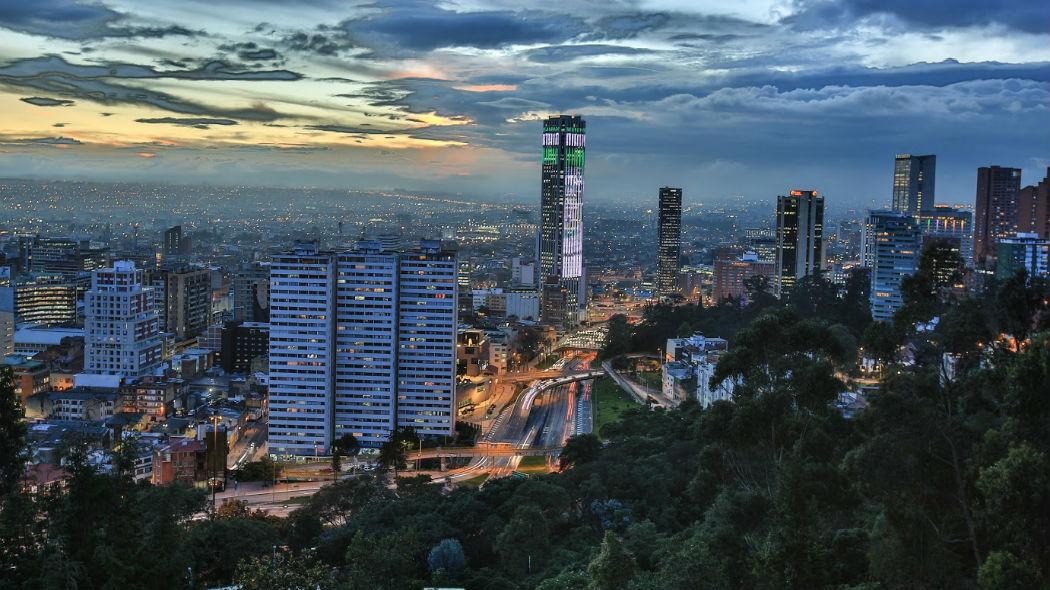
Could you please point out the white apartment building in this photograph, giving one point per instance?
(361, 342)
(121, 334)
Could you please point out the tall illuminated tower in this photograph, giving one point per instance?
(914, 179)
(669, 241)
(800, 238)
(560, 240)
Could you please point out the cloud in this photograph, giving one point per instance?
(101, 84)
(419, 25)
(320, 43)
(43, 101)
(250, 51)
(354, 130)
(520, 104)
(54, 141)
(1022, 15)
(76, 20)
(564, 53)
(198, 122)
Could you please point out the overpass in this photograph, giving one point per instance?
(504, 450)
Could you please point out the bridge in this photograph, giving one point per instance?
(503, 450)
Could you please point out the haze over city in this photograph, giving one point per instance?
(723, 99)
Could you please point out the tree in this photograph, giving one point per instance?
(218, 545)
(12, 433)
(282, 572)
(446, 559)
(346, 444)
(614, 566)
(618, 338)
(384, 561)
(525, 541)
(881, 341)
(580, 449)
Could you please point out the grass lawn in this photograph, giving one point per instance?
(533, 465)
(475, 481)
(610, 402)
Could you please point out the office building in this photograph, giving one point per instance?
(182, 296)
(361, 341)
(66, 256)
(669, 241)
(121, 332)
(995, 211)
(914, 179)
(522, 273)
(49, 299)
(897, 241)
(951, 224)
(730, 274)
(800, 238)
(173, 241)
(1025, 251)
(251, 293)
(560, 240)
(241, 343)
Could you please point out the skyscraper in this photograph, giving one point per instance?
(560, 240)
(800, 238)
(1025, 251)
(995, 211)
(121, 335)
(1034, 208)
(669, 241)
(173, 241)
(914, 179)
(251, 293)
(897, 241)
(361, 341)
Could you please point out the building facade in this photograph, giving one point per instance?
(730, 274)
(121, 332)
(995, 211)
(182, 294)
(560, 240)
(669, 241)
(914, 179)
(897, 241)
(1025, 251)
(800, 238)
(251, 293)
(952, 224)
(361, 342)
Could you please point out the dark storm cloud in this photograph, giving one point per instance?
(422, 26)
(359, 130)
(1023, 15)
(198, 122)
(627, 26)
(43, 101)
(72, 19)
(100, 84)
(563, 53)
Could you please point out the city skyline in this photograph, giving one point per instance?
(369, 97)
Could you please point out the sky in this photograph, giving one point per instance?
(728, 100)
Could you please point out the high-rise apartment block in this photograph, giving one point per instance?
(182, 294)
(173, 241)
(1025, 251)
(914, 179)
(560, 240)
(1034, 208)
(800, 238)
(897, 242)
(996, 214)
(669, 241)
(361, 342)
(251, 293)
(121, 333)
